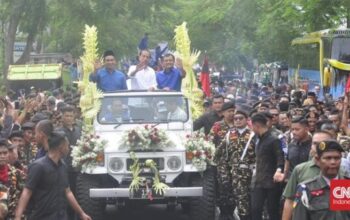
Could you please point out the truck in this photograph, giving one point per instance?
(21, 78)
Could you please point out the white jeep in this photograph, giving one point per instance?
(109, 182)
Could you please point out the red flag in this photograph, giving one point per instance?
(347, 87)
(205, 79)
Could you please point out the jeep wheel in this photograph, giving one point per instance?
(94, 208)
(203, 208)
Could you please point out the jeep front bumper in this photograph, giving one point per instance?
(124, 192)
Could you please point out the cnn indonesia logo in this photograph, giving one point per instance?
(340, 195)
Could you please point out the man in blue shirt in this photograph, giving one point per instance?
(108, 79)
(170, 78)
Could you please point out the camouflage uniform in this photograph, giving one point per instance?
(27, 154)
(13, 188)
(242, 170)
(221, 159)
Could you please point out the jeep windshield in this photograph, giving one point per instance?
(143, 109)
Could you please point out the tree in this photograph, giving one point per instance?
(33, 22)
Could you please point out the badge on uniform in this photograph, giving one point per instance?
(322, 146)
(317, 192)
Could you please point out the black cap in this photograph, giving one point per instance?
(262, 104)
(268, 115)
(28, 125)
(108, 53)
(329, 145)
(311, 94)
(240, 100)
(4, 142)
(39, 116)
(227, 105)
(241, 112)
(16, 134)
(255, 105)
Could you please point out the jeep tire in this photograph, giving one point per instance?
(95, 208)
(203, 208)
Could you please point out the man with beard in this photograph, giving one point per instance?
(312, 198)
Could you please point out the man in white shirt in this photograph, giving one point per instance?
(141, 75)
(175, 113)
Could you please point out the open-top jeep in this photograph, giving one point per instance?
(109, 182)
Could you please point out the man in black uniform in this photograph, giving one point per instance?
(207, 120)
(269, 167)
(47, 184)
(299, 148)
(73, 133)
(312, 197)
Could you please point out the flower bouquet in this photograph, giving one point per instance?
(200, 150)
(89, 152)
(145, 138)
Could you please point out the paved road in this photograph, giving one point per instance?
(151, 212)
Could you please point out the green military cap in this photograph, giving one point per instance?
(329, 145)
(227, 105)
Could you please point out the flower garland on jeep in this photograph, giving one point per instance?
(200, 150)
(89, 152)
(145, 138)
(139, 181)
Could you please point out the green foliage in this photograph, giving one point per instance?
(233, 32)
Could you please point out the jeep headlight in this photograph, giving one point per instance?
(174, 163)
(115, 164)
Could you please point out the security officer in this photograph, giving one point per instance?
(312, 197)
(242, 162)
(218, 134)
(220, 128)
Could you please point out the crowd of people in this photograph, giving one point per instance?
(37, 179)
(275, 146)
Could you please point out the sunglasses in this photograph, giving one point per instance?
(238, 118)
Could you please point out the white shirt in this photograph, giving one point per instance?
(177, 115)
(143, 79)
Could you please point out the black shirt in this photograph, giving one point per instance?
(207, 121)
(73, 136)
(269, 157)
(48, 182)
(298, 152)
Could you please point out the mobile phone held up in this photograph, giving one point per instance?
(17, 104)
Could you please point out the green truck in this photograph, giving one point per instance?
(21, 78)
